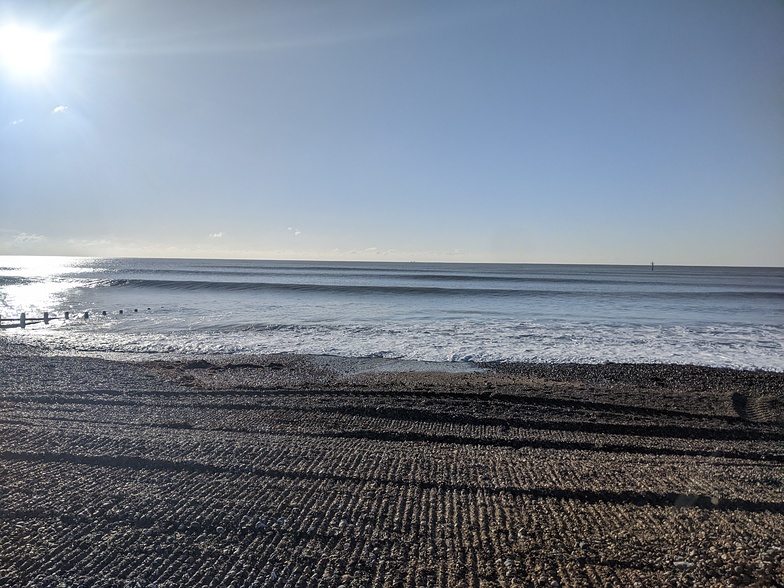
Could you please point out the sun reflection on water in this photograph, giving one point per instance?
(36, 283)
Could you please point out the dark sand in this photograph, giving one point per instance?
(298, 471)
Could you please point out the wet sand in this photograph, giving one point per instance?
(310, 471)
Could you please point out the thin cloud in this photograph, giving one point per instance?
(27, 238)
(293, 230)
(216, 235)
(18, 121)
(87, 243)
(59, 109)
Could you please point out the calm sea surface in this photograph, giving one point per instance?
(731, 317)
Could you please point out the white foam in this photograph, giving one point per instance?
(454, 341)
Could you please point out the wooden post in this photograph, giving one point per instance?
(22, 320)
(86, 315)
(67, 315)
(46, 318)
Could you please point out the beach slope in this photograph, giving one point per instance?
(310, 471)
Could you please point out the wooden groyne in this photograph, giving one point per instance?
(24, 320)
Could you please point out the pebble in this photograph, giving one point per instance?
(733, 544)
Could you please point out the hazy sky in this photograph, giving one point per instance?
(618, 131)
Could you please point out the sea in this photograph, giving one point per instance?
(445, 312)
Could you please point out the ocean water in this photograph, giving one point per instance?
(716, 316)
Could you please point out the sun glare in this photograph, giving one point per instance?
(25, 51)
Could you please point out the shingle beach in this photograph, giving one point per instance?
(292, 471)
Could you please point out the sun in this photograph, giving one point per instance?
(25, 51)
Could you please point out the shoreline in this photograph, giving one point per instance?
(286, 470)
(367, 363)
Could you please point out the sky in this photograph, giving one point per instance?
(534, 131)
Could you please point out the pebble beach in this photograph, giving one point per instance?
(311, 471)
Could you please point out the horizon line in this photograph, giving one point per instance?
(442, 262)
